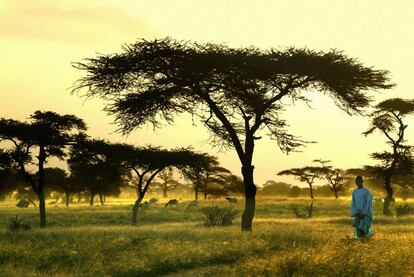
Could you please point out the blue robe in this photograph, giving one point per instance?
(362, 204)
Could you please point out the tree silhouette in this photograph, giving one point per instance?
(235, 92)
(95, 165)
(168, 182)
(48, 133)
(147, 162)
(387, 118)
(307, 174)
(56, 180)
(335, 176)
(211, 172)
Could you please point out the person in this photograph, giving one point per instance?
(361, 210)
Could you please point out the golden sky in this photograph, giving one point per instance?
(40, 39)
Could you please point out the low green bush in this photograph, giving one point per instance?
(219, 216)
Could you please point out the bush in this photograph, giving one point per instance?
(16, 225)
(23, 203)
(153, 200)
(403, 210)
(219, 216)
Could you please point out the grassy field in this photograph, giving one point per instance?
(98, 241)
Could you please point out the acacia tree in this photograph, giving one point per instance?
(147, 162)
(210, 173)
(56, 180)
(46, 133)
(235, 93)
(335, 176)
(95, 165)
(168, 182)
(387, 118)
(307, 174)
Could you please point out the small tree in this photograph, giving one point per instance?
(168, 182)
(49, 134)
(147, 162)
(387, 118)
(235, 92)
(335, 176)
(307, 174)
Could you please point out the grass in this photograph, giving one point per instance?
(98, 241)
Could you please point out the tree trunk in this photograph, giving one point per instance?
(92, 199)
(40, 192)
(67, 198)
(42, 209)
(196, 193)
(164, 191)
(389, 197)
(311, 192)
(205, 190)
(250, 198)
(101, 198)
(135, 209)
(335, 190)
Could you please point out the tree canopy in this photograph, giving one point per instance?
(234, 92)
(46, 132)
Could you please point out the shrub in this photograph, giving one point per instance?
(219, 216)
(23, 203)
(309, 211)
(403, 209)
(16, 225)
(153, 200)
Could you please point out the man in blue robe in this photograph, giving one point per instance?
(361, 210)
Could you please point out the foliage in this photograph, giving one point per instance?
(275, 188)
(46, 133)
(23, 203)
(219, 216)
(94, 165)
(388, 119)
(234, 92)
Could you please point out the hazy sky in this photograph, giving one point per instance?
(40, 39)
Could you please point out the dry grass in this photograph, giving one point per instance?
(84, 241)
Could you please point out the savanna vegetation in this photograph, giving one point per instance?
(99, 241)
(175, 211)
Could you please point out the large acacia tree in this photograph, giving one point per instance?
(45, 135)
(388, 119)
(235, 92)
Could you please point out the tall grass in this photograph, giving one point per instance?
(98, 241)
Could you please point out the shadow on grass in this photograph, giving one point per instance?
(169, 266)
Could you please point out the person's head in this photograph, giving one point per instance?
(359, 181)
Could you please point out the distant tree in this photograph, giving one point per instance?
(59, 181)
(387, 118)
(275, 188)
(147, 162)
(235, 92)
(307, 174)
(294, 191)
(216, 176)
(200, 176)
(336, 177)
(9, 181)
(95, 165)
(49, 134)
(168, 181)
